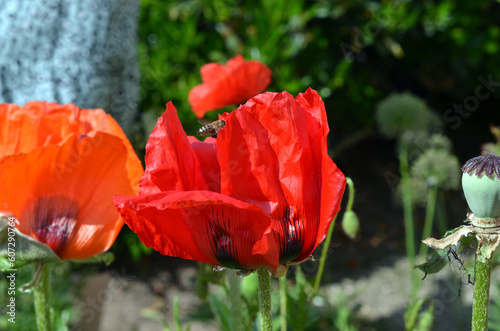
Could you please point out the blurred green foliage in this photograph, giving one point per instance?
(353, 52)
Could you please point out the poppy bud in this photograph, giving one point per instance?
(481, 185)
(350, 224)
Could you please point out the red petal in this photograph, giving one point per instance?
(227, 85)
(207, 155)
(277, 147)
(332, 179)
(174, 162)
(180, 224)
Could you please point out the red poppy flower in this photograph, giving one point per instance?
(59, 168)
(234, 83)
(279, 189)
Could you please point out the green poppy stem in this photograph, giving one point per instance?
(408, 217)
(42, 299)
(481, 299)
(266, 315)
(283, 301)
(429, 219)
(322, 259)
(328, 239)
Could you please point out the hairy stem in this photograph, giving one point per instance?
(481, 299)
(266, 316)
(41, 296)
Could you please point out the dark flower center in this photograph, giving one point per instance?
(221, 244)
(290, 234)
(52, 220)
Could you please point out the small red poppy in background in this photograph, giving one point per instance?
(262, 194)
(232, 84)
(59, 169)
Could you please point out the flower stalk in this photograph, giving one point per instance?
(408, 217)
(266, 316)
(429, 218)
(481, 298)
(42, 299)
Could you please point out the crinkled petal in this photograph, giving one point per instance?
(202, 226)
(277, 146)
(174, 162)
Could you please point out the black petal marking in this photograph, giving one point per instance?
(52, 220)
(221, 243)
(290, 236)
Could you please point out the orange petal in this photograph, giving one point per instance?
(84, 169)
(40, 123)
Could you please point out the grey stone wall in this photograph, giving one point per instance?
(66, 51)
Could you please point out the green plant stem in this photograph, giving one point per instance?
(350, 186)
(283, 301)
(176, 314)
(442, 222)
(481, 299)
(235, 301)
(322, 259)
(42, 299)
(328, 239)
(429, 219)
(408, 217)
(266, 316)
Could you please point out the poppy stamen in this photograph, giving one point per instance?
(53, 219)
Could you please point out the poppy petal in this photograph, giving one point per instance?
(227, 85)
(278, 145)
(207, 155)
(41, 123)
(77, 177)
(171, 159)
(202, 226)
(333, 180)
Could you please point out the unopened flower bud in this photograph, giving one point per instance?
(350, 224)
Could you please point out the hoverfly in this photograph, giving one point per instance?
(211, 128)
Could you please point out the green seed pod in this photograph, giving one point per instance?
(481, 185)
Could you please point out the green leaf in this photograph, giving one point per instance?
(20, 249)
(220, 310)
(435, 263)
(419, 321)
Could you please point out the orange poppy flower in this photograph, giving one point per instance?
(234, 83)
(59, 169)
